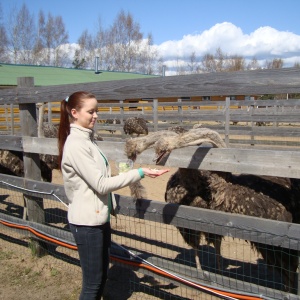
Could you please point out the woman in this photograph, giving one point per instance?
(89, 186)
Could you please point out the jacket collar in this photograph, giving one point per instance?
(86, 132)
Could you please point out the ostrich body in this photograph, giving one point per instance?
(259, 196)
(135, 125)
(177, 129)
(11, 162)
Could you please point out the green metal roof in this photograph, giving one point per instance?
(45, 76)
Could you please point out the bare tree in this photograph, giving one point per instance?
(161, 67)
(101, 48)
(253, 64)
(60, 38)
(220, 58)
(125, 42)
(235, 63)
(3, 40)
(296, 65)
(214, 63)
(208, 63)
(85, 53)
(21, 34)
(276, 63)
(52, 35)
(41, 52)
(147, 56)
(193, 65)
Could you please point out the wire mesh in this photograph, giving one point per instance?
(160, 245)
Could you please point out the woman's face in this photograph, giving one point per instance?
(86, 117)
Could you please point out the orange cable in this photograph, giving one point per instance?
(45, 237)
(215, 291)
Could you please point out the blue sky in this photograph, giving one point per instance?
(169, 19)
(179, 27)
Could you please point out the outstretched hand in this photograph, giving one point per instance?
(154, 172)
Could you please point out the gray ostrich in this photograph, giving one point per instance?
(135, 125)
(260, 196)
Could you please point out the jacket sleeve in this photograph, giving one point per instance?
(94, 173)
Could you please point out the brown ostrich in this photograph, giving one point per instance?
(135, 125)
(11, 162)
(259, 196)
(177, 129)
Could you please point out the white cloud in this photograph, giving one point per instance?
(265, 43)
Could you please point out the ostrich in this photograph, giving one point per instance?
(260, 196)
(177, 129)
(112, 121)
(135, 125)
(11, 162)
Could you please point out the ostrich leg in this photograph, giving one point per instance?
(217, 245)
(197, 259)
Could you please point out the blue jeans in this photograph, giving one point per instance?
(93, 244)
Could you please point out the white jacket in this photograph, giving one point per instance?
(87, 180)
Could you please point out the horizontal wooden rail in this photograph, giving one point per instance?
(251, 161)
(254, 82)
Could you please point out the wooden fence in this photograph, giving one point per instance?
(242, 123)
(282, 163)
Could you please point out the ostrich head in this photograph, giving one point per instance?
(135, 146)
(164, 146)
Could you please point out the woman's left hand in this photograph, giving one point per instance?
(154, 172)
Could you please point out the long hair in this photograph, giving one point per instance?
(74, 101)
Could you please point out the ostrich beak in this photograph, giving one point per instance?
(161, 157)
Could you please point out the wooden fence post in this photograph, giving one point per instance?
(122, 118)
(227, 120)
(34, 205)
(155, 114)
(49, 113)
(180, 110)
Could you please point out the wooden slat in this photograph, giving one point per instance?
(258, 162)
